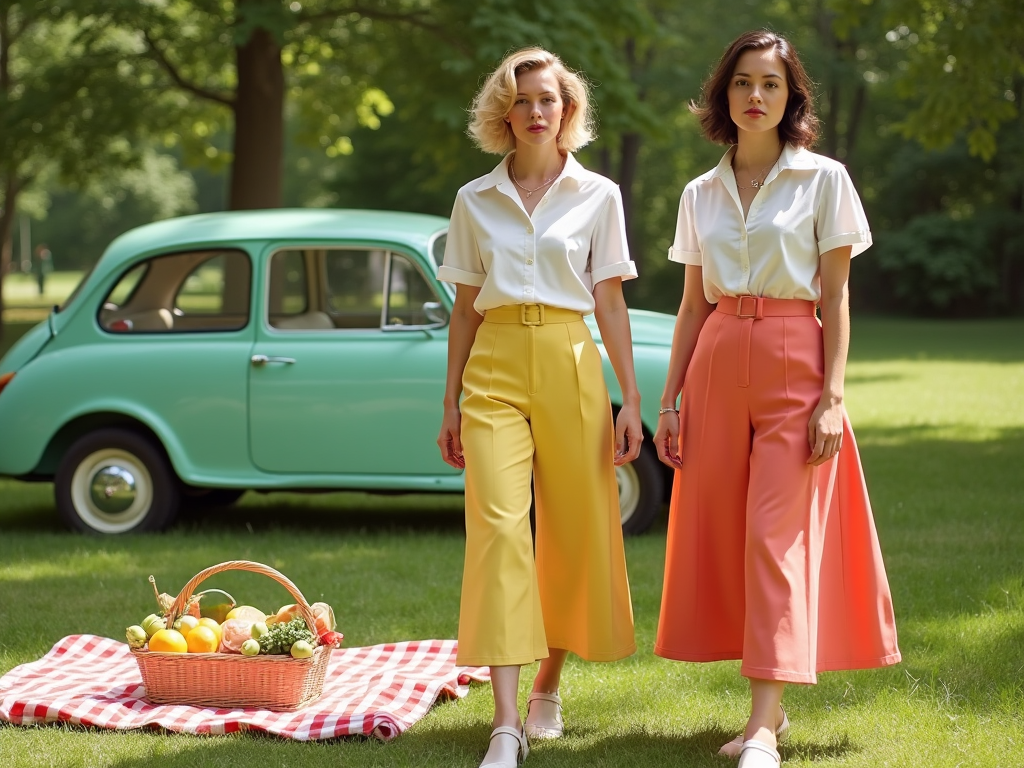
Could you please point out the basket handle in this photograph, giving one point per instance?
(178, 606)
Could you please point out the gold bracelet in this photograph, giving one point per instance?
(668, 410)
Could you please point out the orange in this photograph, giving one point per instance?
(206, 621)
(168, 641)
(202, 640)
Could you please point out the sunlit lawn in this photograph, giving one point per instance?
(24, 303)
(939, 414)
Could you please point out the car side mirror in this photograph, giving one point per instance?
(435, 312)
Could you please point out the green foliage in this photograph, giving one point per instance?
(961, 67)
(937, 262)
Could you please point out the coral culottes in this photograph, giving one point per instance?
(536, 406)
(770, 560)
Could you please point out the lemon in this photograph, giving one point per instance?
(186, 624)
(212, 624)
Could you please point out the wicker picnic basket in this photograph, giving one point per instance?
(229, 680)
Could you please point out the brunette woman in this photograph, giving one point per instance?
(772, 552)
(533, 247)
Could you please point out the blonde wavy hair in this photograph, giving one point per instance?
(494, 101)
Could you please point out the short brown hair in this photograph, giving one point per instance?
(799, 124)
(487, 124)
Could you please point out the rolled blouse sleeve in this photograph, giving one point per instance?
(840, 217)
(609, 251)
(686, 248)
(462, 263)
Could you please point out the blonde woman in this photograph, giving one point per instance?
(533, 247)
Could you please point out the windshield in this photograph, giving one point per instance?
(71, 297)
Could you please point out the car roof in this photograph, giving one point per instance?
(308, 224)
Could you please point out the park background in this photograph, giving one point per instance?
(114, 113)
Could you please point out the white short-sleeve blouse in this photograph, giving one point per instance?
(575, 239)
(807, 206)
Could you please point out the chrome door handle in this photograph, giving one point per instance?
(263, 360)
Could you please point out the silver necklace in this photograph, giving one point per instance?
(529, 192)
(756, 182)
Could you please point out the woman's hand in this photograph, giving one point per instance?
(450, 439)
(628, 434)
(667, 440)
(825, 431)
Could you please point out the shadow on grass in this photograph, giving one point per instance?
(330, 512)
(450, 747)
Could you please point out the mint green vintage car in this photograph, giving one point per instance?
(268, 350)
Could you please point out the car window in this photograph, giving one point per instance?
(354, 287)
(181, 292)
(126, 286)
(411, 301)
(288, 290)
(437, 248)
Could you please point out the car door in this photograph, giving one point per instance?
(176, 334)
(348, 369)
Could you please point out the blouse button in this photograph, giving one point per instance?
(529, 261)
(529, 230)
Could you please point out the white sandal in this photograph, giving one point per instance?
(732, 748)
(522, 751)
(757, 754)
(536, 726)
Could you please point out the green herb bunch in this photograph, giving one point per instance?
(281, 636)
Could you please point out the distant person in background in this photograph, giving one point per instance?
(533, 246)
(43, 266)
(772, 553)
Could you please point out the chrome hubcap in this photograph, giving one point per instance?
(628, 480)
(113, 489)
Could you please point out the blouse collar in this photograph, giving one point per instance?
(499, 176)
(792, 157)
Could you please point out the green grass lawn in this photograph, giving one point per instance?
(939, 414)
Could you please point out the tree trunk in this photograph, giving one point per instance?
(258, 165)
(628, 162)
(7, 214)
(6, 230)
(853, 121)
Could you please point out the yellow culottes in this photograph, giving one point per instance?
(536, 405)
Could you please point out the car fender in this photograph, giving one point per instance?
(34, 445)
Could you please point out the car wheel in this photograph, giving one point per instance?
(210, 498)
(641, 491)
(115, 481)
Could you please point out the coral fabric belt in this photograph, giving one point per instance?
(756, 307)
(751, 308)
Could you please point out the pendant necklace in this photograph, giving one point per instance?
(755, 182)
(529, 192)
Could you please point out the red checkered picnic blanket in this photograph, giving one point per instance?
(379, 690)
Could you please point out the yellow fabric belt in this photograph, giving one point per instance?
(531, 314)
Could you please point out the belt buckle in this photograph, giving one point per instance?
(757, 314)
(524, 310)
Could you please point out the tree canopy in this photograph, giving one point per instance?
(363, 103)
